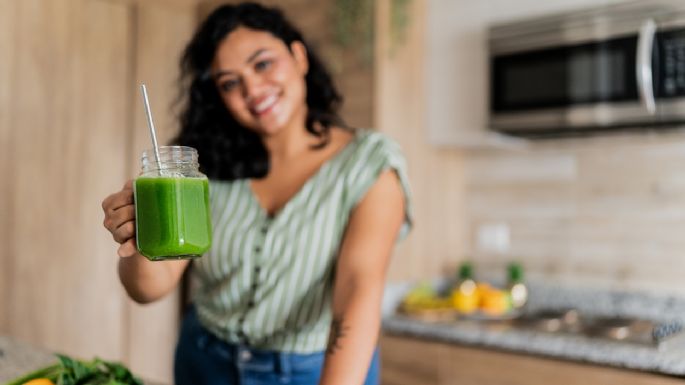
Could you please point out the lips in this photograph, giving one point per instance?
(264, 105)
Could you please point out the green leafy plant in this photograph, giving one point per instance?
(354, 21)
(69, 371)
(399, 22)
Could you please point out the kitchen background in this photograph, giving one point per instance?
(602, 211)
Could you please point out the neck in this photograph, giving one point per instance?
(289, 142)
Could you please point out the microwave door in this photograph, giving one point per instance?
(578, 86)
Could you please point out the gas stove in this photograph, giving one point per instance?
(634, 330)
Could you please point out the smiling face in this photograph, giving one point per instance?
(261, 81)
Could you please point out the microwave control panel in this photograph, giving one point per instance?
(671, 51)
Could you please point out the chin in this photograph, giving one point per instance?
(269, 131)
(270, 127)
(264, 129)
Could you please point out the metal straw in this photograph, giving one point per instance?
(151, 126)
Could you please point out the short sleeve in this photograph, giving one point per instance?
(376, 154)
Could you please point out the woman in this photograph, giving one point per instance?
(305, 215)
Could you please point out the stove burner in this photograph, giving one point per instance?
(552, 320)
(569, 321)
(617, 328)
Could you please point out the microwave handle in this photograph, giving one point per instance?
(645, 45)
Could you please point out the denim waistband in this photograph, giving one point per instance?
(244, 356)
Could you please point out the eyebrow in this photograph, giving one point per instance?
(252, 57)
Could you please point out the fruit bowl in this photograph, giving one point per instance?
(478, 301)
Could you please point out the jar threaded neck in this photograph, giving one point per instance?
(171, 158)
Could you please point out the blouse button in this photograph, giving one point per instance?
(257, 249)
(245, 355)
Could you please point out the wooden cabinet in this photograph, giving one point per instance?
(409, 361)
(71, 128)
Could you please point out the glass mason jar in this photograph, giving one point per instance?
(172, 205)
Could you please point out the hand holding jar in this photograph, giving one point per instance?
(169, 205)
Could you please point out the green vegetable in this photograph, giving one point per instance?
(70, 371)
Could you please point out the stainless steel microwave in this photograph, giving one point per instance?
(613, 67)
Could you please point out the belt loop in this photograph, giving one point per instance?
(284, 364)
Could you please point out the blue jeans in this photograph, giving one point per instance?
(203, 359)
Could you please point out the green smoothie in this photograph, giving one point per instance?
(172, 217)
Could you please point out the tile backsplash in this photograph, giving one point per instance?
(607, 209)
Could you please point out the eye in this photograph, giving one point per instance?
(262, 65)
(228, 85)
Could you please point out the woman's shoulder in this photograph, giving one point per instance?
(370, 136)
(374, 144)
(225, 185)
(375, 153)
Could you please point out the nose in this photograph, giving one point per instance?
(251, 86)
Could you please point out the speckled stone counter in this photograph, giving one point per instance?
(18, 358)
(505, 336)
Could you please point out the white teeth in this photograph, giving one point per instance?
(266, 103)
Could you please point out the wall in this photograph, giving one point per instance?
(607, 211)
(435, 174)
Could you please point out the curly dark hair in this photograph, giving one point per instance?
(228, 150)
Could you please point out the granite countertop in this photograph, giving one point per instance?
(18, 358)
(505, 336)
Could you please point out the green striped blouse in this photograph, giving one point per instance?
(267, 281)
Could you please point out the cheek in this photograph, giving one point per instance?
(288, 74)
(295, 85)
(302, 89)
(235, 105)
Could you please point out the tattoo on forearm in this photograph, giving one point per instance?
(338, 330)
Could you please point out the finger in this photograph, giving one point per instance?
(122, 215)
(127, 249)
(108, 202)
(115, 218)
(117, 200)
(124, 232)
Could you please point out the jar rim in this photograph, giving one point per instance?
(167, 148)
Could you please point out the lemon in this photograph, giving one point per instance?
(465, 302)
(39, 381)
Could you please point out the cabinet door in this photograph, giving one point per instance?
(407, 361)
(71, 130)
(64, 82)
(7, 45)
